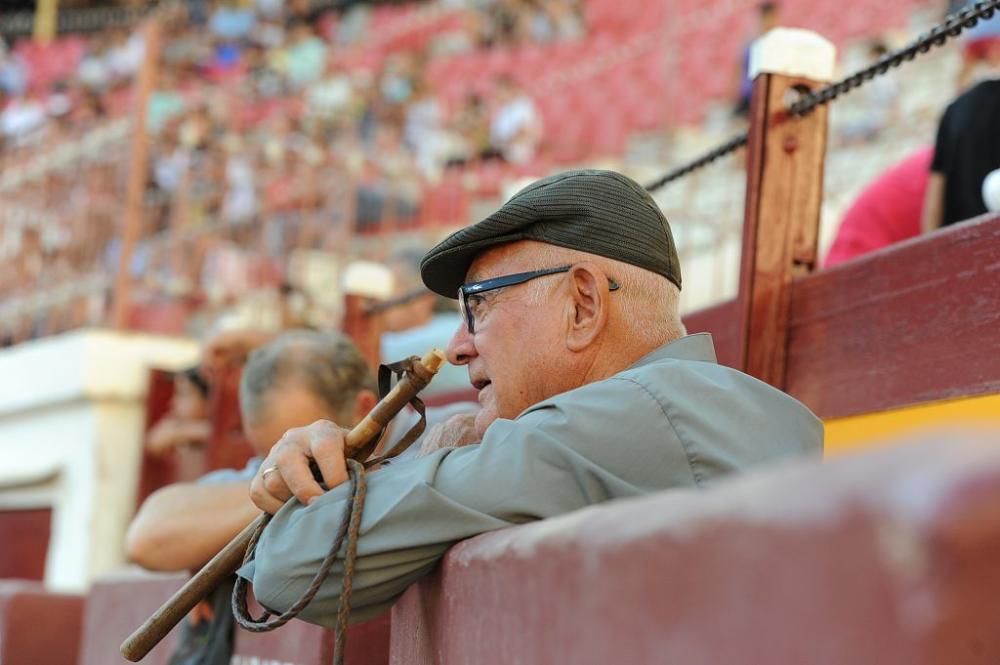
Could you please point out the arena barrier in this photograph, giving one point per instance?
(300, 643)
(111, 608)
(888, 557)
(38, 626)
(924, 313)
(113, 604)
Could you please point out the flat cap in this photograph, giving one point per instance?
(598, 212)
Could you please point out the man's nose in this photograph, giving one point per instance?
(461, 348)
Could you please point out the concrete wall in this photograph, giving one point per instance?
(72, 411)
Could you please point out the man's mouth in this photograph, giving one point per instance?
(481, 383)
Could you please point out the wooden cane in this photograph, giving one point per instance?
(228, 561)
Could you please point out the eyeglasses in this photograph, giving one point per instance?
(469, 295)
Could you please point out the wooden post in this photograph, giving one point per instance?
(784, 193)
(46, 21)
(138, 170)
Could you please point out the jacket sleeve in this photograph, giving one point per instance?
(545, 463)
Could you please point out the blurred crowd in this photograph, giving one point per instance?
(273, 126)
(284, 134)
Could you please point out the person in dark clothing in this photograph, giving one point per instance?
(967, 150)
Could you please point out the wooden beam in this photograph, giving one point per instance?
(138, 170)
(46, 20)
(784, 193)
(913, 323)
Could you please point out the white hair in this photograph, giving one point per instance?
(648, 301)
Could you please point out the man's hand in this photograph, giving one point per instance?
(231, 348)
(286, 471)
(459, 430)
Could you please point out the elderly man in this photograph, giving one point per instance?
(298, 378)
(589, 389)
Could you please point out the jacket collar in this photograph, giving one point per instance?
(698, 347)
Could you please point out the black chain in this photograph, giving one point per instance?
(729, 146)
(952, 27)
(939, 35)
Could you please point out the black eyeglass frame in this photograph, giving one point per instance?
(475, 288)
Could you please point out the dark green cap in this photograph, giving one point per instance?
(598, 212)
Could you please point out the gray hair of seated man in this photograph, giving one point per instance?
(327, 364)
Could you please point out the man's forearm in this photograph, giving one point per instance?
(182, 526)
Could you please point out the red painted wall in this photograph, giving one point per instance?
(300, 643)
(38, 627)
(118, 605)
(25, 538)
(889, 557)
(156, 471)
(912, 323)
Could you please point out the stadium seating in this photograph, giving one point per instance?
(52, 62)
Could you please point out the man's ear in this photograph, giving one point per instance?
(364, 402)
(588, 307)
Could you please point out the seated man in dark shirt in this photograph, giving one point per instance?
(967, 150)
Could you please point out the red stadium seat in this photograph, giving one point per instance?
(447, 203)
(168, 317)
(607, 136)
(48, 63)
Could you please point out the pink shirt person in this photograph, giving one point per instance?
(886, 212)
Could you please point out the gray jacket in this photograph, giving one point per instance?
(675, 418)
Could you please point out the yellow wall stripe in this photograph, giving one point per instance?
(844, 435)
